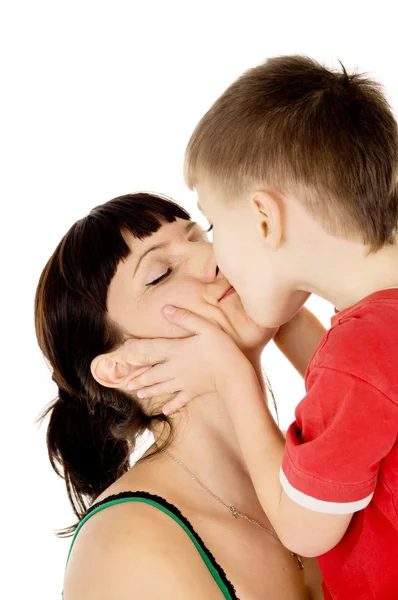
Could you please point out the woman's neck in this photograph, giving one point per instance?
(205, 441)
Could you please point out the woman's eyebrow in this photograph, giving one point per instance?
(151, 249)
(161, 245)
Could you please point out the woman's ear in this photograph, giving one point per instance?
(110, 370)
(267, 209)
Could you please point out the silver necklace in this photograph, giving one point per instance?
(235, 513)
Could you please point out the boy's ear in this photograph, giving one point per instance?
(267, 210)
(110, 370)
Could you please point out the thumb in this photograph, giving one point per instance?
(185, 319)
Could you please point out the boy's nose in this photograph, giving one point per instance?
(211, 270)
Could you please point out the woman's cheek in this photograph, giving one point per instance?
(184, 293)
(155, 324)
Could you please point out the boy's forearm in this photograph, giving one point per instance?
(262, 444)
(256, 364)
(299, 338)
(261, 441)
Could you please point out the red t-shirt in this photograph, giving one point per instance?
(341, 452)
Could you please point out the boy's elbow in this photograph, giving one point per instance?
(307, 548)
(311, 534)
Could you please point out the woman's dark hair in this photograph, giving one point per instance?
(92, 429)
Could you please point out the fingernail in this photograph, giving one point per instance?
(166, 411)
(141, 394)
(169, 310)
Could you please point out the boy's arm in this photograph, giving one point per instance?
(331, 462)
(297, 339)
(303, 531)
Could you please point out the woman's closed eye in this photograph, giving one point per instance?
(160, 278)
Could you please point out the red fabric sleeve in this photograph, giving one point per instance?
(344, 427)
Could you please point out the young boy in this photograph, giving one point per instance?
(296, 168)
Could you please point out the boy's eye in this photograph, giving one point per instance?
(161, 278)
(210, 228)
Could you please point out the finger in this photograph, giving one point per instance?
(141, 353)
(156, 374)
(159, 389)
(180, 400)
(136, 372)
(185, 319)
(145, 352)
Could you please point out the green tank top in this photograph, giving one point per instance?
(216, 571)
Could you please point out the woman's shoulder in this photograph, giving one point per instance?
(134, 549)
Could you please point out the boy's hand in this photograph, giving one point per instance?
(189, 366)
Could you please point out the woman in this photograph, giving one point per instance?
(162, 529)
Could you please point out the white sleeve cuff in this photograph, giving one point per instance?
(321, 506)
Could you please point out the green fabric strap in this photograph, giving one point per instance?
(199, 548)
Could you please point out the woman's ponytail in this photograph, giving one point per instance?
(83, 451)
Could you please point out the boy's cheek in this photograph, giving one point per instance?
(230, 261)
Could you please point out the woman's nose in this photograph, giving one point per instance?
(206, 266)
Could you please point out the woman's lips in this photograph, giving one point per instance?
(228, 292)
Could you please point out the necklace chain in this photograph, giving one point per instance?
(232, 509)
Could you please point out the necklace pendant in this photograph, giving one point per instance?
(300, 565)
(233, 512)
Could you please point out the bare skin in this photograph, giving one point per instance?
(136, 551)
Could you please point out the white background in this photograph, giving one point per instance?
(99, 99)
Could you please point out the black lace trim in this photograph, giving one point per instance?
(178, 514)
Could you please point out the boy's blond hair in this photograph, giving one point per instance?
(327, 137)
